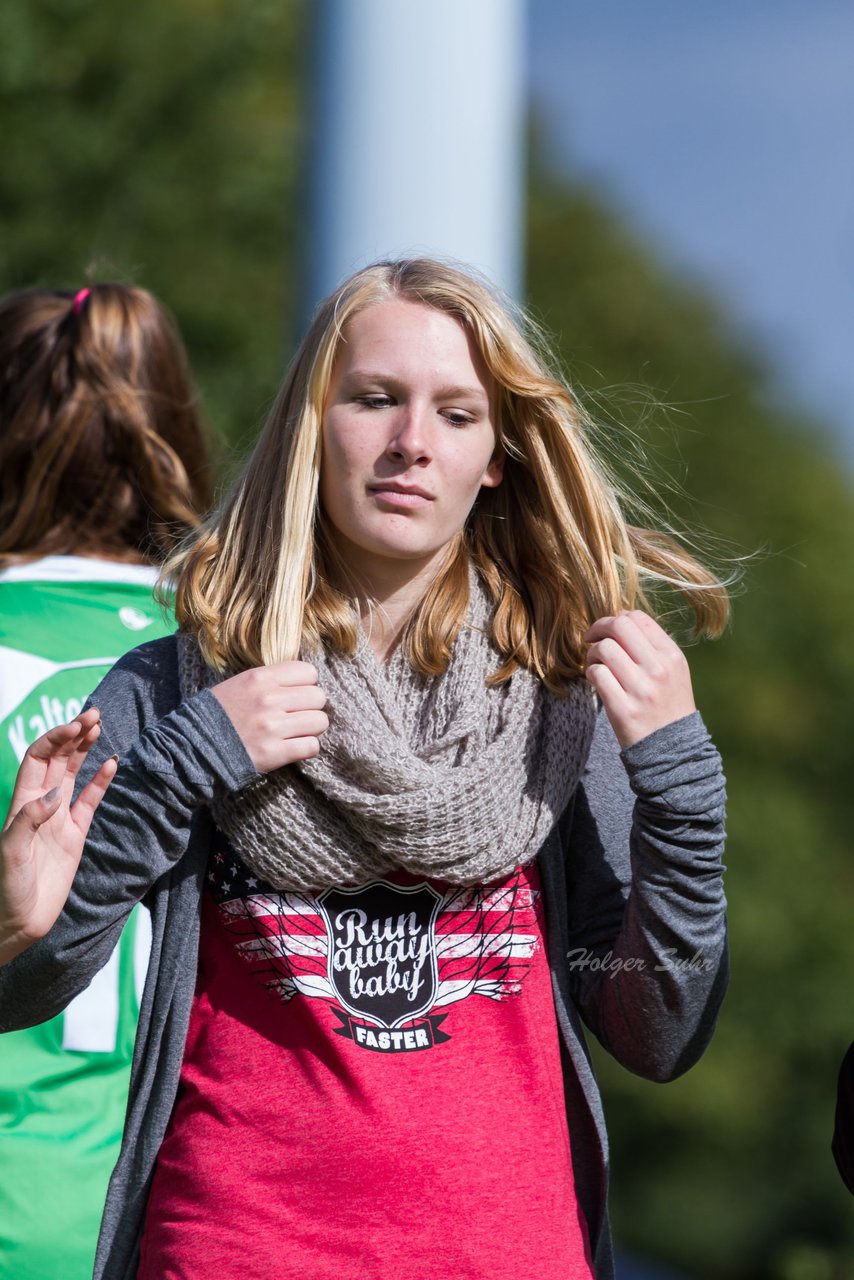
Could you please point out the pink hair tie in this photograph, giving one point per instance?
(79, 298)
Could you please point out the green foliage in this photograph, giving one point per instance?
(162, 144)
(728, 1173)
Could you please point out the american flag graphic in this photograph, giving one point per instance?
(483, 939)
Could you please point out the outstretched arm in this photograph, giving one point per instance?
(44, 832)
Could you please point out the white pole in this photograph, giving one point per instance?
(418, 135)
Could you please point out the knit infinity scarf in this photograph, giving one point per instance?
(441, 776)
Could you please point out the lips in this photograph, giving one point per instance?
(400, 495)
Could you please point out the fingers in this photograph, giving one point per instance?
(654, 632)
(36, 813)
(604, 682)
(55, 758)
(633, 644)
(19, 830)
(62, 739)
(64, 765)
(297, 724)
(289, 685)
(625, 630)
(274, 707)
(59, 753)
(291, 673)
(640, 674)
(304, 697)
(83, 809)
(285, 739)
(300, 749)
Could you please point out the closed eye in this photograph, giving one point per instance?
(376, 401)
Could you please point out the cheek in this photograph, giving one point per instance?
(336, 465)
(469, 467)
(331, 472)
(347, 450)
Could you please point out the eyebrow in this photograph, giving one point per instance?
(456, 392)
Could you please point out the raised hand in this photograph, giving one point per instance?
(640, 674)
(44, 833)
(277, 711)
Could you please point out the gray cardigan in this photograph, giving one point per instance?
(631, 878)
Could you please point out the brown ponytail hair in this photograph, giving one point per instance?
(102, 450)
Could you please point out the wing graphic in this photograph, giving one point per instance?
(282, 937)
(485, 941)
(484, 938)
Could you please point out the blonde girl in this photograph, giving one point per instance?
(418, 790)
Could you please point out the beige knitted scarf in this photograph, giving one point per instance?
(442, 776)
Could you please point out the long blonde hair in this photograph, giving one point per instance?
(552, 544)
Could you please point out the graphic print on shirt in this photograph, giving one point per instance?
(389, 959)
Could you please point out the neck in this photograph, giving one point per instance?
(389, 593)
(386, 610)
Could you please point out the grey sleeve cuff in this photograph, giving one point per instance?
(677, 770)
(196, 747)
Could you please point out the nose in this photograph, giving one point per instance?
(410, 439)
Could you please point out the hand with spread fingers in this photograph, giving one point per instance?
(639, 672)
(44, 833)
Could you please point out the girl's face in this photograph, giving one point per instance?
(408, 438)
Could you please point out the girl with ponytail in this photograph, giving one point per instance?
(103, 470)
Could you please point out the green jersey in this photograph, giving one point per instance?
(64, 621)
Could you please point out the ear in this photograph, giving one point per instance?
(494, 473)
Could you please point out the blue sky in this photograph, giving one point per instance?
(725, 130)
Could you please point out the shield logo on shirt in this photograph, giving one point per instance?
(382, 949)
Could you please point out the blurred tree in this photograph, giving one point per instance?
(728, 1173)
(162, 144)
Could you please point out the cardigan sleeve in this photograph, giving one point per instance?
(172, 757)
(647, 956)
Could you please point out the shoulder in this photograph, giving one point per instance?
(141, 689)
